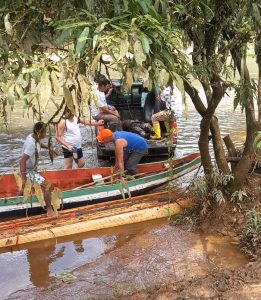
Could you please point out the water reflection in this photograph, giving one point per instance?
(39, 260)
(39, 265)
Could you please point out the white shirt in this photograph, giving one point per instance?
(72, 134)
(167, 96)
(101, 101)
(29, 147)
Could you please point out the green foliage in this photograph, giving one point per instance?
(212, 189)
(138, 40)
(189, 216)
(251, 241)
(238, 196)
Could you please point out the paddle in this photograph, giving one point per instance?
(94, 183)
(113, 181)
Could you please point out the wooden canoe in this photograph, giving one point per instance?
(79, 189)
(92, 217)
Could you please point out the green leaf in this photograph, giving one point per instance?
(19, 91)
(64, 36)
(258, 145)
(82, 41)
(68, 99)
(138, 53)
(8, 26)
(145, 41)
(55, 82)
(44, 89)
(11, 96)
(97, 32)
(256, 14)
(95, 62)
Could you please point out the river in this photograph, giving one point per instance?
(34, 268)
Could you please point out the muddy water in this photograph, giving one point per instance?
(113, 261)
(143, 254)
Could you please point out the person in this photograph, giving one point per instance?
(30, 152)
(68, 134)
(143, 129)
(129, 148)
(100, 110)
(165, 114)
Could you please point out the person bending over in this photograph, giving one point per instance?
(129, 148)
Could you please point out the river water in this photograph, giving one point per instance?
(35, 267)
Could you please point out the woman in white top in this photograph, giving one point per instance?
(68, 134)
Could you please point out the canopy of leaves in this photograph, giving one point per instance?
(133, 37)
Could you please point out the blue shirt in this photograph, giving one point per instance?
(136, 143)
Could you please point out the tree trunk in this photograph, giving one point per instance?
(204, 147)
(230, 146)
(218, 146)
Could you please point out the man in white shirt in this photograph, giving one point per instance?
(28, 163)
(100, 110)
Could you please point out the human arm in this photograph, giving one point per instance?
(108, 110)
(90, 122)
(120, 144)
(58, 135)
(109, 92)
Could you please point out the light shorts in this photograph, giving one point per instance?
(35, 177)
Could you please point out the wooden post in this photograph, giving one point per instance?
(232, 152)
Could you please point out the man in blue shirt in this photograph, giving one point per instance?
(129, 148)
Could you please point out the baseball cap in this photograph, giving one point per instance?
(105, 133)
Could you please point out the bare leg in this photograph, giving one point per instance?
(47, 190)
(47, 197)
(81, 162)
(68, 163)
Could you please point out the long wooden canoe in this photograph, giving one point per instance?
(93, 217)
(79, 189)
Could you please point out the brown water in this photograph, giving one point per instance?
(112, 258)
(11, 140)
(131, 256)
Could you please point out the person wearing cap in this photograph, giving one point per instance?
(68, 134)
(129, 148)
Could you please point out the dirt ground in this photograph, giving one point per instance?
(238, 283)
(166, 263)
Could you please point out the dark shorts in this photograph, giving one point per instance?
(67, 153)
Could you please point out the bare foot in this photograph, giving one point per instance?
(50, 213)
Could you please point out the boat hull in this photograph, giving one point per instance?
(159, 174)
(85, 219)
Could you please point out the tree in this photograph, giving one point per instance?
(137, 39)
(217, 29)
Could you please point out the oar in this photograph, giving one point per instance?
(113, 181)
(94, 183)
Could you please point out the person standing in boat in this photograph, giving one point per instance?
(28, 163)
(68, 134)
(165, 114)
(129, 148)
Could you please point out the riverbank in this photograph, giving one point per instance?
(159, 261)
